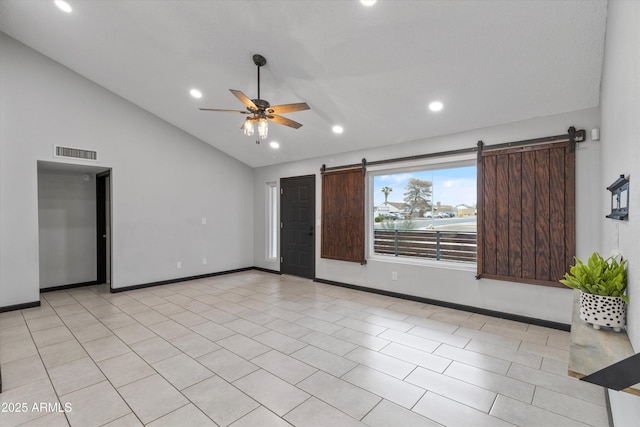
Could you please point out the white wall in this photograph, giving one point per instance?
(620, 147)
(164, 181)
(456, 285)
(66, 228)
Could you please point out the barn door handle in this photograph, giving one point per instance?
(311, 231)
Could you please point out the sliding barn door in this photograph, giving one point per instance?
(526, 224)
(343, 215)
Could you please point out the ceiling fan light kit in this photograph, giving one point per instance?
(247, 126)
(260, 111)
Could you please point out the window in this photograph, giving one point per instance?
(272, 221)
(425, 212)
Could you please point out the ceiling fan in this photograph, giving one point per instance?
(260, 111)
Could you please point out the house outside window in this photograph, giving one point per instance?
(425, 212)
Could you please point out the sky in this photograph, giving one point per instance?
(452, 187)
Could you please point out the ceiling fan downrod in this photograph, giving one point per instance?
(260, 61)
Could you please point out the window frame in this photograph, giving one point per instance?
(430, 163)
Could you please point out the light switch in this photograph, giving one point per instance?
(204, 221)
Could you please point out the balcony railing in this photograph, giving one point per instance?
(457, 246)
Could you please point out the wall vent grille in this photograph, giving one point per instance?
(74, 153)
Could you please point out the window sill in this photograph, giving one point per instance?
(420, 262)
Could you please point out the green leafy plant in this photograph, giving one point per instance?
(599, 276)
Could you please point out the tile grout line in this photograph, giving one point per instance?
(106, 378)
(307, 303)
(189, 401)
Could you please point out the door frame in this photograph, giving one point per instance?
(312, 178)
(103, 228)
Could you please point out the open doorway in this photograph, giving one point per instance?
(74, 205)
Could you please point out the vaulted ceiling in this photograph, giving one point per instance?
(372, 70)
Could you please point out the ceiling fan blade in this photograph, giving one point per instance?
(288, 108)
(244, 99)
(284, 121)
(226, 111)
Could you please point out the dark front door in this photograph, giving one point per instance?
(297, 228)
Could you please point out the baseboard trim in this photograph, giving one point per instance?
(469, 308)
(178, 280)
(133, 287)
(266, 270)
(71, 286)
(19, 306)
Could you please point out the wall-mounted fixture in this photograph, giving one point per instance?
(619, 198)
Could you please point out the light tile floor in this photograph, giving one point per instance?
(257, 349)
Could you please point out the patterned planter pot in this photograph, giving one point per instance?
(603, 311)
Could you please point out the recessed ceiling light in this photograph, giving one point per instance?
(274, 144)
(368, 2)
(337, 129)
(435, 106)
(195, 93)
(63, 6)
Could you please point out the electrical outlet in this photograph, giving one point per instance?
(394, 275)
(204, 221)
(204, 261)
(179, 264)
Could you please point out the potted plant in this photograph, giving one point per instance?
(601, 283)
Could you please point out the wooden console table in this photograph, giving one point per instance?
(602, 356)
